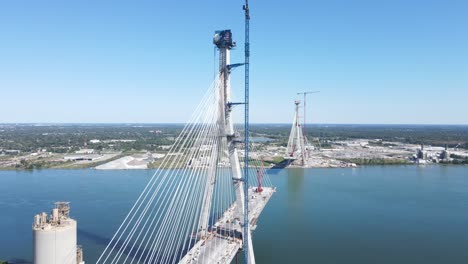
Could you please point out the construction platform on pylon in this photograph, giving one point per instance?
(224, 239)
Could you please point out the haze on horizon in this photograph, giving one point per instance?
(397, 62)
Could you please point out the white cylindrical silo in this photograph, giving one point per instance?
(43, 218)
(55, 244)
(54, 238)
(55, 214)
(37, 220)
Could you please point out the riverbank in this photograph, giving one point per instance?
(339, 153)
(141, 163)
(133, 162)
(104, 161)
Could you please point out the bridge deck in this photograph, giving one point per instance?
(221, 244)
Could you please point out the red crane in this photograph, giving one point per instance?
(259, 178)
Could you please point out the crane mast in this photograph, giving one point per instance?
(304, 131)
(248, 250)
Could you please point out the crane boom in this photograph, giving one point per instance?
(248, 250)
(304, 132)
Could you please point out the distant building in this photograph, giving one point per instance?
(421, 153)
(119, 140)
(165, 147)
(12, 151)
(421, 161)
(84, 157)
(95, 141)
(445, 155)
(85, 151)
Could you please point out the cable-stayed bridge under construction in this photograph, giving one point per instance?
(193, 209)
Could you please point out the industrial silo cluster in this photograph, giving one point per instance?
(55, 237)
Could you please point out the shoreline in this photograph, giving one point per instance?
(266, 168)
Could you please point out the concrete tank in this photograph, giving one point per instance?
(55, 244)
(54, 238)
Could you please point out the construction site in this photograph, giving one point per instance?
(308, 153)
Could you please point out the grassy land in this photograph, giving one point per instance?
(65, 164)
(171, 162)
(275, 160)
(74, 165)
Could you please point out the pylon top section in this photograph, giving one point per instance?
(223, 39)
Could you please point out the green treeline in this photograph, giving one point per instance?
(436, 135)
(69, 138)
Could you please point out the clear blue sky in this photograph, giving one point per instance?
(150, 61)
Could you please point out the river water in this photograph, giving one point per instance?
(392, 214)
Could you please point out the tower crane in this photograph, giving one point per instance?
(304, 132)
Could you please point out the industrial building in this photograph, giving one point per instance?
(55, 237)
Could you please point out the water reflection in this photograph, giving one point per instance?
(404, 214)
(295, 180)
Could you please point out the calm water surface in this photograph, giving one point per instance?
(369, 215)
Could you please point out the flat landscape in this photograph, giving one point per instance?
(142, 146)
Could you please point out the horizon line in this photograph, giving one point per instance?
(254, 123)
